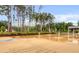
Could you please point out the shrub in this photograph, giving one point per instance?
(22, 33)
(2, 29)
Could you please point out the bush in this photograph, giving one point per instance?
(2, 29)
(22, 33)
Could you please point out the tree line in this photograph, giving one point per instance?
(44, 22)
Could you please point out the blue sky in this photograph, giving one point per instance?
(60, 9)
(62, 13)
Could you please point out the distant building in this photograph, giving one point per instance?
(74, 35)
(73, 27)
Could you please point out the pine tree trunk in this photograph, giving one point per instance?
(9, 20)
(41, 27)
(23, 23)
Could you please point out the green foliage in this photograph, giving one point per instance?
(3, 23)
(43, 19)
(78, 23)
(2, 29)
(62, 27)
(22, 33)
(3, 26)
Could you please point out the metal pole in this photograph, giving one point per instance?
(58, 35)
(38, 34)
(68, 33)
(73, 34)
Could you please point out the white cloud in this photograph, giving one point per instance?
(67, 18)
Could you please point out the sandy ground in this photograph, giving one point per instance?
(5, 38)
(34, 44)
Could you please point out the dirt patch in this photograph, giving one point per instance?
(34, 44)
